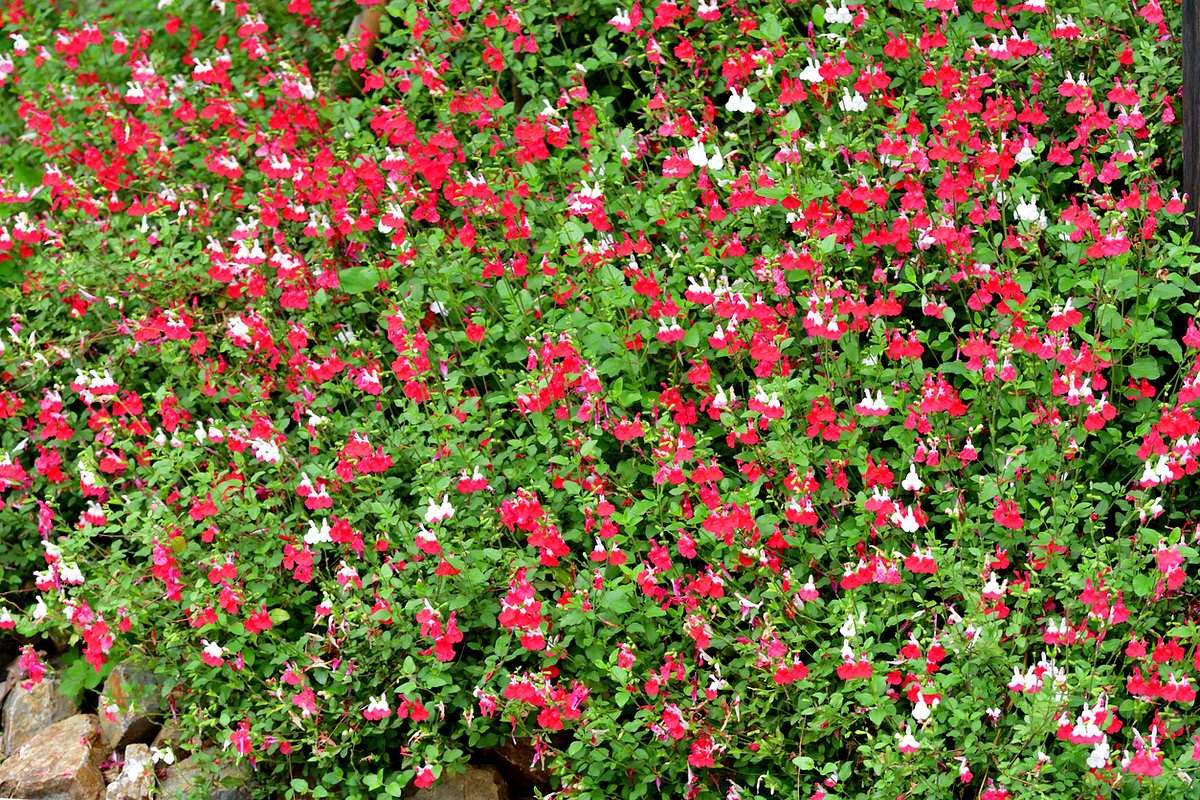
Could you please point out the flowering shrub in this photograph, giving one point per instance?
(734, 399)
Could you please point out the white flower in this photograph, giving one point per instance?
(907, 520)
(811, 72)
(699, 157)
(912, 482)
(1027, 210)
(437, 512)
(921, 711)
(347, 573)
(852, 102)
(166, 755)
(741, 103)
(378, 704)
(266, 450)
(722, 400)
(840, 15)
(1099, 756)
(70, 574)
(239, 331)
(317, 535)
(717, 162)
(908, 741)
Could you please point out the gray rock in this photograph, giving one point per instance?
(136, 780)
(135, 692)
(197, 777)
(27, 711)
(60, 762)
(12, 676)
(477, 783)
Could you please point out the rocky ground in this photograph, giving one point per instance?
(129, 750)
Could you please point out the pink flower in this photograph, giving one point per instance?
(240, 739)
(32, 666)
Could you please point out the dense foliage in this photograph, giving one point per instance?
(736, 399)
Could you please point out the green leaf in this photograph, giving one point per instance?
(572, 232)
(1165, 291)
(1145, 367)
(1171, 347)
(358, 279)
(1109, 319)
(27, 176)
(616, 601)
(80, 675)
(771, 30)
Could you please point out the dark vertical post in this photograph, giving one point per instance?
(1191, 112)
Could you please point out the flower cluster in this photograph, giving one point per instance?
(722, 399)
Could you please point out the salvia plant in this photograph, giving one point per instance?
(724, 399)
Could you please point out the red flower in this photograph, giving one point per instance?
(424, 777)
(1006, 514)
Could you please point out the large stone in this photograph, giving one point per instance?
(27, 711)
(136, 780)
(198, 777)
(477, 783)
(59, 763)
(516, 758)
(135, 693)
